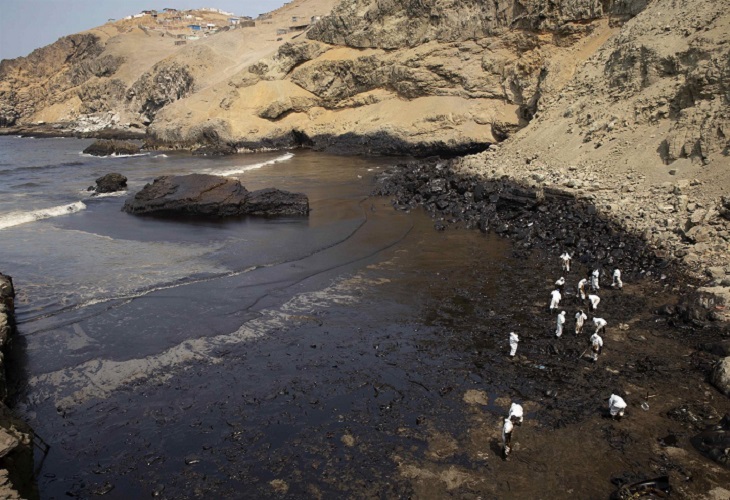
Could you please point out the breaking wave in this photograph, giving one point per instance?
(86, 155)
(245, 168)
(16, 218)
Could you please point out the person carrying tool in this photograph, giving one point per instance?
(596, 346)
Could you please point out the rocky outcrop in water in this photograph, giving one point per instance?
(210, 195)
(110, 183)
(106, 147)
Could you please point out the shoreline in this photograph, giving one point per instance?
(551, 217)
(542, 220)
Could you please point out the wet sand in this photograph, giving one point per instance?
(393, 382)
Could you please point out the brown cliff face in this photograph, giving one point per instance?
(387, 76)
(42, 78)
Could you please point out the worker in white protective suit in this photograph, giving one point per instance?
(594, 280)
(560, 323)
(565, 261)
(580, 318)
(596, 346)
(616, 406)
(582, 288)
(560, 283)
(600, 324)
(513, 341)
(594, 300)
(555, 300)
(507, 429)
(617, 283)
(516, 414)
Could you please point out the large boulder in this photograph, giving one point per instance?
(714, 441)
(110, 183)
(201, 194)
(720, 376)
(104, 147)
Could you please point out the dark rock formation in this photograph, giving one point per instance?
(110, 183)
(111, 147)
(165, 83)
(210, 195)
(16, 440)
(549, 219)
(714, 441)
(7, 310)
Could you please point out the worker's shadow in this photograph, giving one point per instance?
(496, 446)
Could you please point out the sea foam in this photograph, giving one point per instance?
(16, 218)
(245, 168)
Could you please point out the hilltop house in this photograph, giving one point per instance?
(194, 27)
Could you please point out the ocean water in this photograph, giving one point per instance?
(131, 328)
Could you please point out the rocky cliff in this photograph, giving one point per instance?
(420, 77)
(642, 131)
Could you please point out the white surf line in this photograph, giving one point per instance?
(125, 299)
(16, 218)
(99, 378)
(86, 155)
(245, 168)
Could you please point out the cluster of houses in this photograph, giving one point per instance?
(184, 26)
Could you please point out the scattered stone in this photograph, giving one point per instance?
(110, 183)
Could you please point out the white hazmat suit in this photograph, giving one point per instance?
(565, 258)
(582, 288)
(560, 323)
(516, 413)
(555, 299)
(594, 280)
(600, 324)
(616, 405)
(617, 279)
(513, 341)
(595, 299)
(580, 318)
(596, 346)
(507, 436)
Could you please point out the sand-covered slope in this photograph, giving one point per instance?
(643, 132)
(421, 77)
